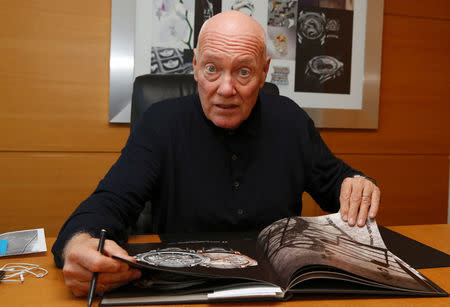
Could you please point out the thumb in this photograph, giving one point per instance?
(112, 248)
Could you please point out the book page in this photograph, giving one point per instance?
(198, 261)
(298, 242)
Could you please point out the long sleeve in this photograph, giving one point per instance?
(119, 197)
(327, 172)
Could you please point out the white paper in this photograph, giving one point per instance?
(250, 291)
(24, 242)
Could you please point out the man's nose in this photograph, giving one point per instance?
(226, 86)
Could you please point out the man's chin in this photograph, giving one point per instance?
(226, 123)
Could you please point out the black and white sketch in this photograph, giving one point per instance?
(323, 68)
(324, 50)
(217, 257)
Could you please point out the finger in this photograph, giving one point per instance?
(375, 202)
(112, 248)
(118, 278)
(365, 203)
(105, 282)
(78, 288)
(125, 276)
(344, 198)
(102, 288)
(73, 270)
(355, 200)
(94, 261)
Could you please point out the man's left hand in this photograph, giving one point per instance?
(359, 197)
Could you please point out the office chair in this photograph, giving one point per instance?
(148, 89)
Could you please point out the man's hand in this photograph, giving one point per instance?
(359, 197)
(81, 259)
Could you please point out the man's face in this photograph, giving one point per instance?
(229, 76)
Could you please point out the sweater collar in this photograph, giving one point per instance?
(250, 126)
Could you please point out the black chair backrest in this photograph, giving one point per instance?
(148, 89)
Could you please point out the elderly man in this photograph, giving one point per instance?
(225, 159)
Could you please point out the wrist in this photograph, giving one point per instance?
(365, 177)
(77, 237)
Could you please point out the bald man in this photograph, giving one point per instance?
(229, 158)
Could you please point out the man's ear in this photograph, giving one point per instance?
(194, 64)
(265, 70)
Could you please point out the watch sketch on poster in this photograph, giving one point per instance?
(317, 47)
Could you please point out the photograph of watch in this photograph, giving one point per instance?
(323, 68)
(226, 259)
(311, 26)
(172, 257)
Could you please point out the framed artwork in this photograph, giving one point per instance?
(326, 54)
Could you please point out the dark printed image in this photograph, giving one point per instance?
(204, 9)
(293, 243)
(171, 61)
(323, 51)
(217, 257)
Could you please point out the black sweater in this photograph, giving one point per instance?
(203, 178)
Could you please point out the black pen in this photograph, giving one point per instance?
(101, 242)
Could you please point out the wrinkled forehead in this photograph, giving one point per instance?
(240, 44)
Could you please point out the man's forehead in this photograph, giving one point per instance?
(248, 43)
(212, 55)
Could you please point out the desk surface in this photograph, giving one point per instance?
(51, 290)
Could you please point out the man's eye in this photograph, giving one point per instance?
(244, 72)
(210, 68)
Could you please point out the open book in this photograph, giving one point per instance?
(292, 257)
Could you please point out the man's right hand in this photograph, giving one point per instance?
(81, 259)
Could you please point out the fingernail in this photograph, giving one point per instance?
(351, 221)
(344, 217)
(361, 222)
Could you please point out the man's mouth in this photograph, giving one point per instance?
(226, 106)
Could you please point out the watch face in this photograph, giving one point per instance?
(228, 261)
(323, 68)
(171, 64)
(324, 65)
(166, 52)
(311, 25)
(281, 43)
(173, 259)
